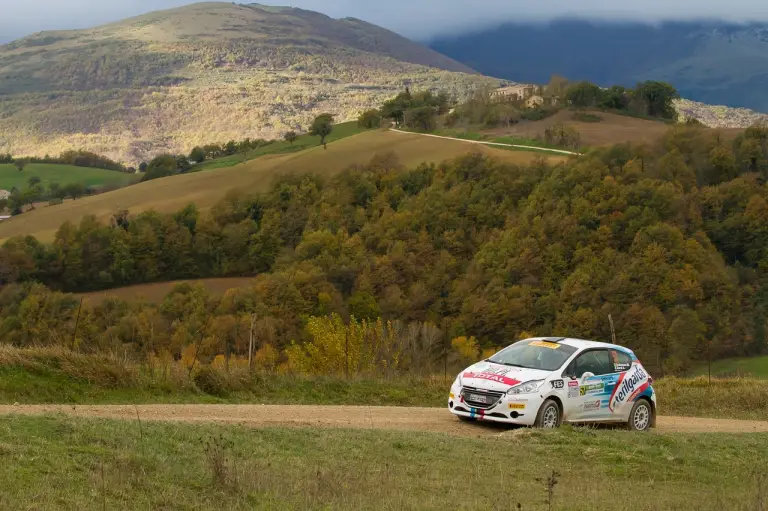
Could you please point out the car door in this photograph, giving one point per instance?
(590, 382)
(622, 363)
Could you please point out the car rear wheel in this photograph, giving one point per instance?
(549, 416)
(641, 416)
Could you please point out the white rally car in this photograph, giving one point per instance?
(544, 381)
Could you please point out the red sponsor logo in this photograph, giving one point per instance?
(493, 377)
(573, 384)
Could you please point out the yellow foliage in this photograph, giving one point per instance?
(266, 357)
(525, 335)
(467, 347)
(188, 355)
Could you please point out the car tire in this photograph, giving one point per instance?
(550, 416)
(641, 416)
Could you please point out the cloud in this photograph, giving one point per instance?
(420, 19)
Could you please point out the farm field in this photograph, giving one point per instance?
(156, 292)
(612, 129)
(140, 464)
(63, 174)
(206, 188)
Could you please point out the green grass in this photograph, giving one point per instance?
(340, 131)
(62, 174)
(755, 367)
(66, 463)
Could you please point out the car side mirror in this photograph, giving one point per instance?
(587, 375)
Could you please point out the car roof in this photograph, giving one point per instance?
(582, 344)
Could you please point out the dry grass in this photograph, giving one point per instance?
(208, 187)
(613, 129)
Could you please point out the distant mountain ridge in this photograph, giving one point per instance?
(714, 63)
(169, 80)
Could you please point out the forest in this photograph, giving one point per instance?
(671, 239)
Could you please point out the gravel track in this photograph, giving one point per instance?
(365, 417)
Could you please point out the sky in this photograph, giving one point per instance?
(418, 19)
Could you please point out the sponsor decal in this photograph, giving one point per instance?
(620, 368)
(557, 384)
(630, 385)
(592, 388)
(496, 374)
(544, 344)
(591, 406)
(517, 406)
(573, 389)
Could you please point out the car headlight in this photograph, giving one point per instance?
(457, 381)
(528, 387)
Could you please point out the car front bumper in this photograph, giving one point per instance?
(519, 410)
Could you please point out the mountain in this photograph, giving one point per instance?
(207, 72)
(715, 63)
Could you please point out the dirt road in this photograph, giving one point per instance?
(367, 417)
(492, 144)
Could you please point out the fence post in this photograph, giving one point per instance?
(250, 345)
(346, 351)
(77, 322)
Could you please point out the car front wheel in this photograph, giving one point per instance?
(641, 416)
(549, 416)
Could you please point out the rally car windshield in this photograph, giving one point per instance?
(534, 354)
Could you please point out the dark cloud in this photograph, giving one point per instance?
(419, 19)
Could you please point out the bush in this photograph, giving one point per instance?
(211, 381)
(586, 117)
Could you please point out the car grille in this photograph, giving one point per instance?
(493, 396)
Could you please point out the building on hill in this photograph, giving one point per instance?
(519, 92)
(534, 101)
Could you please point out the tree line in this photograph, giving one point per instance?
(75, 158)
(671, 239)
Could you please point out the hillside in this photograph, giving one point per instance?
(206, 188)
(713, 63)
(208, 72)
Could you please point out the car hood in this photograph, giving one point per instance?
(490, 376)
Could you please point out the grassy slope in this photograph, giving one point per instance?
(62, 174)
(340, 131)
(157, 291)
(59, 463)
(206, 188)
(756, 367)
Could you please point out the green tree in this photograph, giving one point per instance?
(423, 118)
(658, 98)
(197, 154)
(584, 95)
(290, 137)
(369, 119)
(33, 181)
(322, 127)
(21, 163)
(74, 190)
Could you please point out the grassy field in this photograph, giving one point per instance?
(40, 376)
(206, 188)
(62, 174)
(156, 292)
(756, 367)
(340, 131)
(611, 129)
(65, 463)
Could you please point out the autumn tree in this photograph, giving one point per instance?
(321, 127)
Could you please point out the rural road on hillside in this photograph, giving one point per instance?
(499, 144)
(365, 417)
